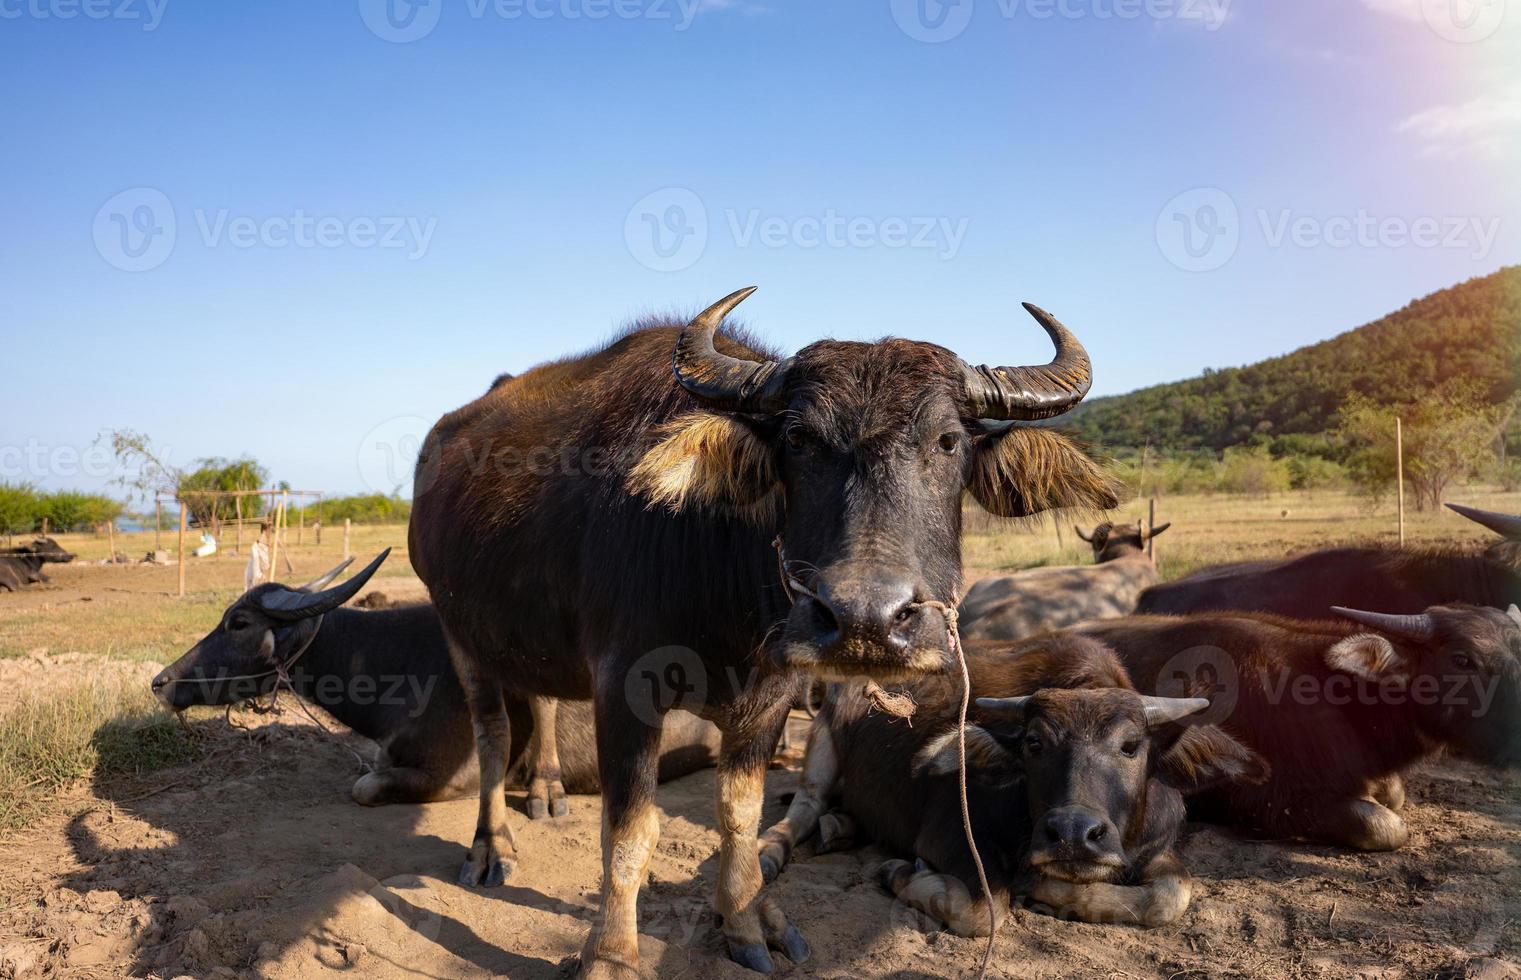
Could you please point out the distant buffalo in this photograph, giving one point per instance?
(1010, 607)
(386, 674)
(1387, 579)
(22, 565)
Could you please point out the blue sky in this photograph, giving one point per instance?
(376, 210)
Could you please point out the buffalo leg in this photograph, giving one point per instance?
(1358, 823)
(1161, 900)
(837, 832)
(751, 921)
(821, 767)
(493, 855)
(546, 794)
(628, 759)
(1390, 791)
(944, 898)
(403, 784)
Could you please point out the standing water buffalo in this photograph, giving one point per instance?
(1011, 607)
(1074, 786)
(1398, 581)
(1339, 709)
(603, 527)
(22, 565)
(386, 674)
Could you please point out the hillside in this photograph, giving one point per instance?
(1468, 331)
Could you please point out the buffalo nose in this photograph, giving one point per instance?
(1077, 831)
(874, 607)
(159, 683)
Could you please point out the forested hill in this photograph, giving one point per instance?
(1469, 331)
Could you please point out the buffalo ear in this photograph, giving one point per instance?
(704, 459)
(1026, 469)
(1365, 655)
(1204, 756)
(988, 760)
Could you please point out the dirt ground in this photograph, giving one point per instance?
(252, 862)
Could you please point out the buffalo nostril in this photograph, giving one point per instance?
(824, 619)
(159, 683)
(1096, 833)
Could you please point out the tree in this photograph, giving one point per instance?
(151, 474)
(67, 510)
(1448, 435)
(19, 508)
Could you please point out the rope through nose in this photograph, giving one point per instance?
(902, 706)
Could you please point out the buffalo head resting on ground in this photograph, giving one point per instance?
(860, 453)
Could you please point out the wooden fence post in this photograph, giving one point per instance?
(1151, 523)
(110, 537)
(182, 550)
(158, 523)
(301, 524)
(1399, 471)
(346, 552)
(237, 507)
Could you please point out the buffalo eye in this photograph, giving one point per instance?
(1033, 744)
(797, 439)
(949, 443)
(1462, 661)
(1131, 748)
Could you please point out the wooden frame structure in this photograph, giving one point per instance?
(279, 504)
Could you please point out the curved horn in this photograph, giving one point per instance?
(727, 382)
(1014, 706)
(1160, 711)
(1029, 393)
(1158, 529)
(1086, 537)
(1508, 525)
(326, 578)
(1419, 627)
(290, 605)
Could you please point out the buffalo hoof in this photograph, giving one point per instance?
(538, 810)
(492, 874)
(559, 807)
(752, 956)
(606, 970)
(891, 874)
(769, 868)
(793, 944)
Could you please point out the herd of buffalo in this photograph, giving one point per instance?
(676, 534)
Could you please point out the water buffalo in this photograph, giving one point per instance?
(386, 674)
(22, 565)
(1074, 788)
(1393, 580)
(617, 526)
(1338, 708)
(1009, 607)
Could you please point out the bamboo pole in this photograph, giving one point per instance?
(182, 549)
(237, 506)
(110, 537)
(300, 527)
(1151, 523)
(158, 523)
(1399, 470)
(346, 552)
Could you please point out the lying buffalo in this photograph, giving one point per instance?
(1394, 580)
(1338, 708)
(1010, 607)
(386, 675)
(22, 565)
(1074, 788)
(612, 525)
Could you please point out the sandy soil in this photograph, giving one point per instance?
(252, 862)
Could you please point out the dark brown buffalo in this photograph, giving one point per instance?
(602, 527)
(1393, 580)
(1074, 788)
(1338, 708)
(22, 565)
(1010, 607)
(386, 674)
